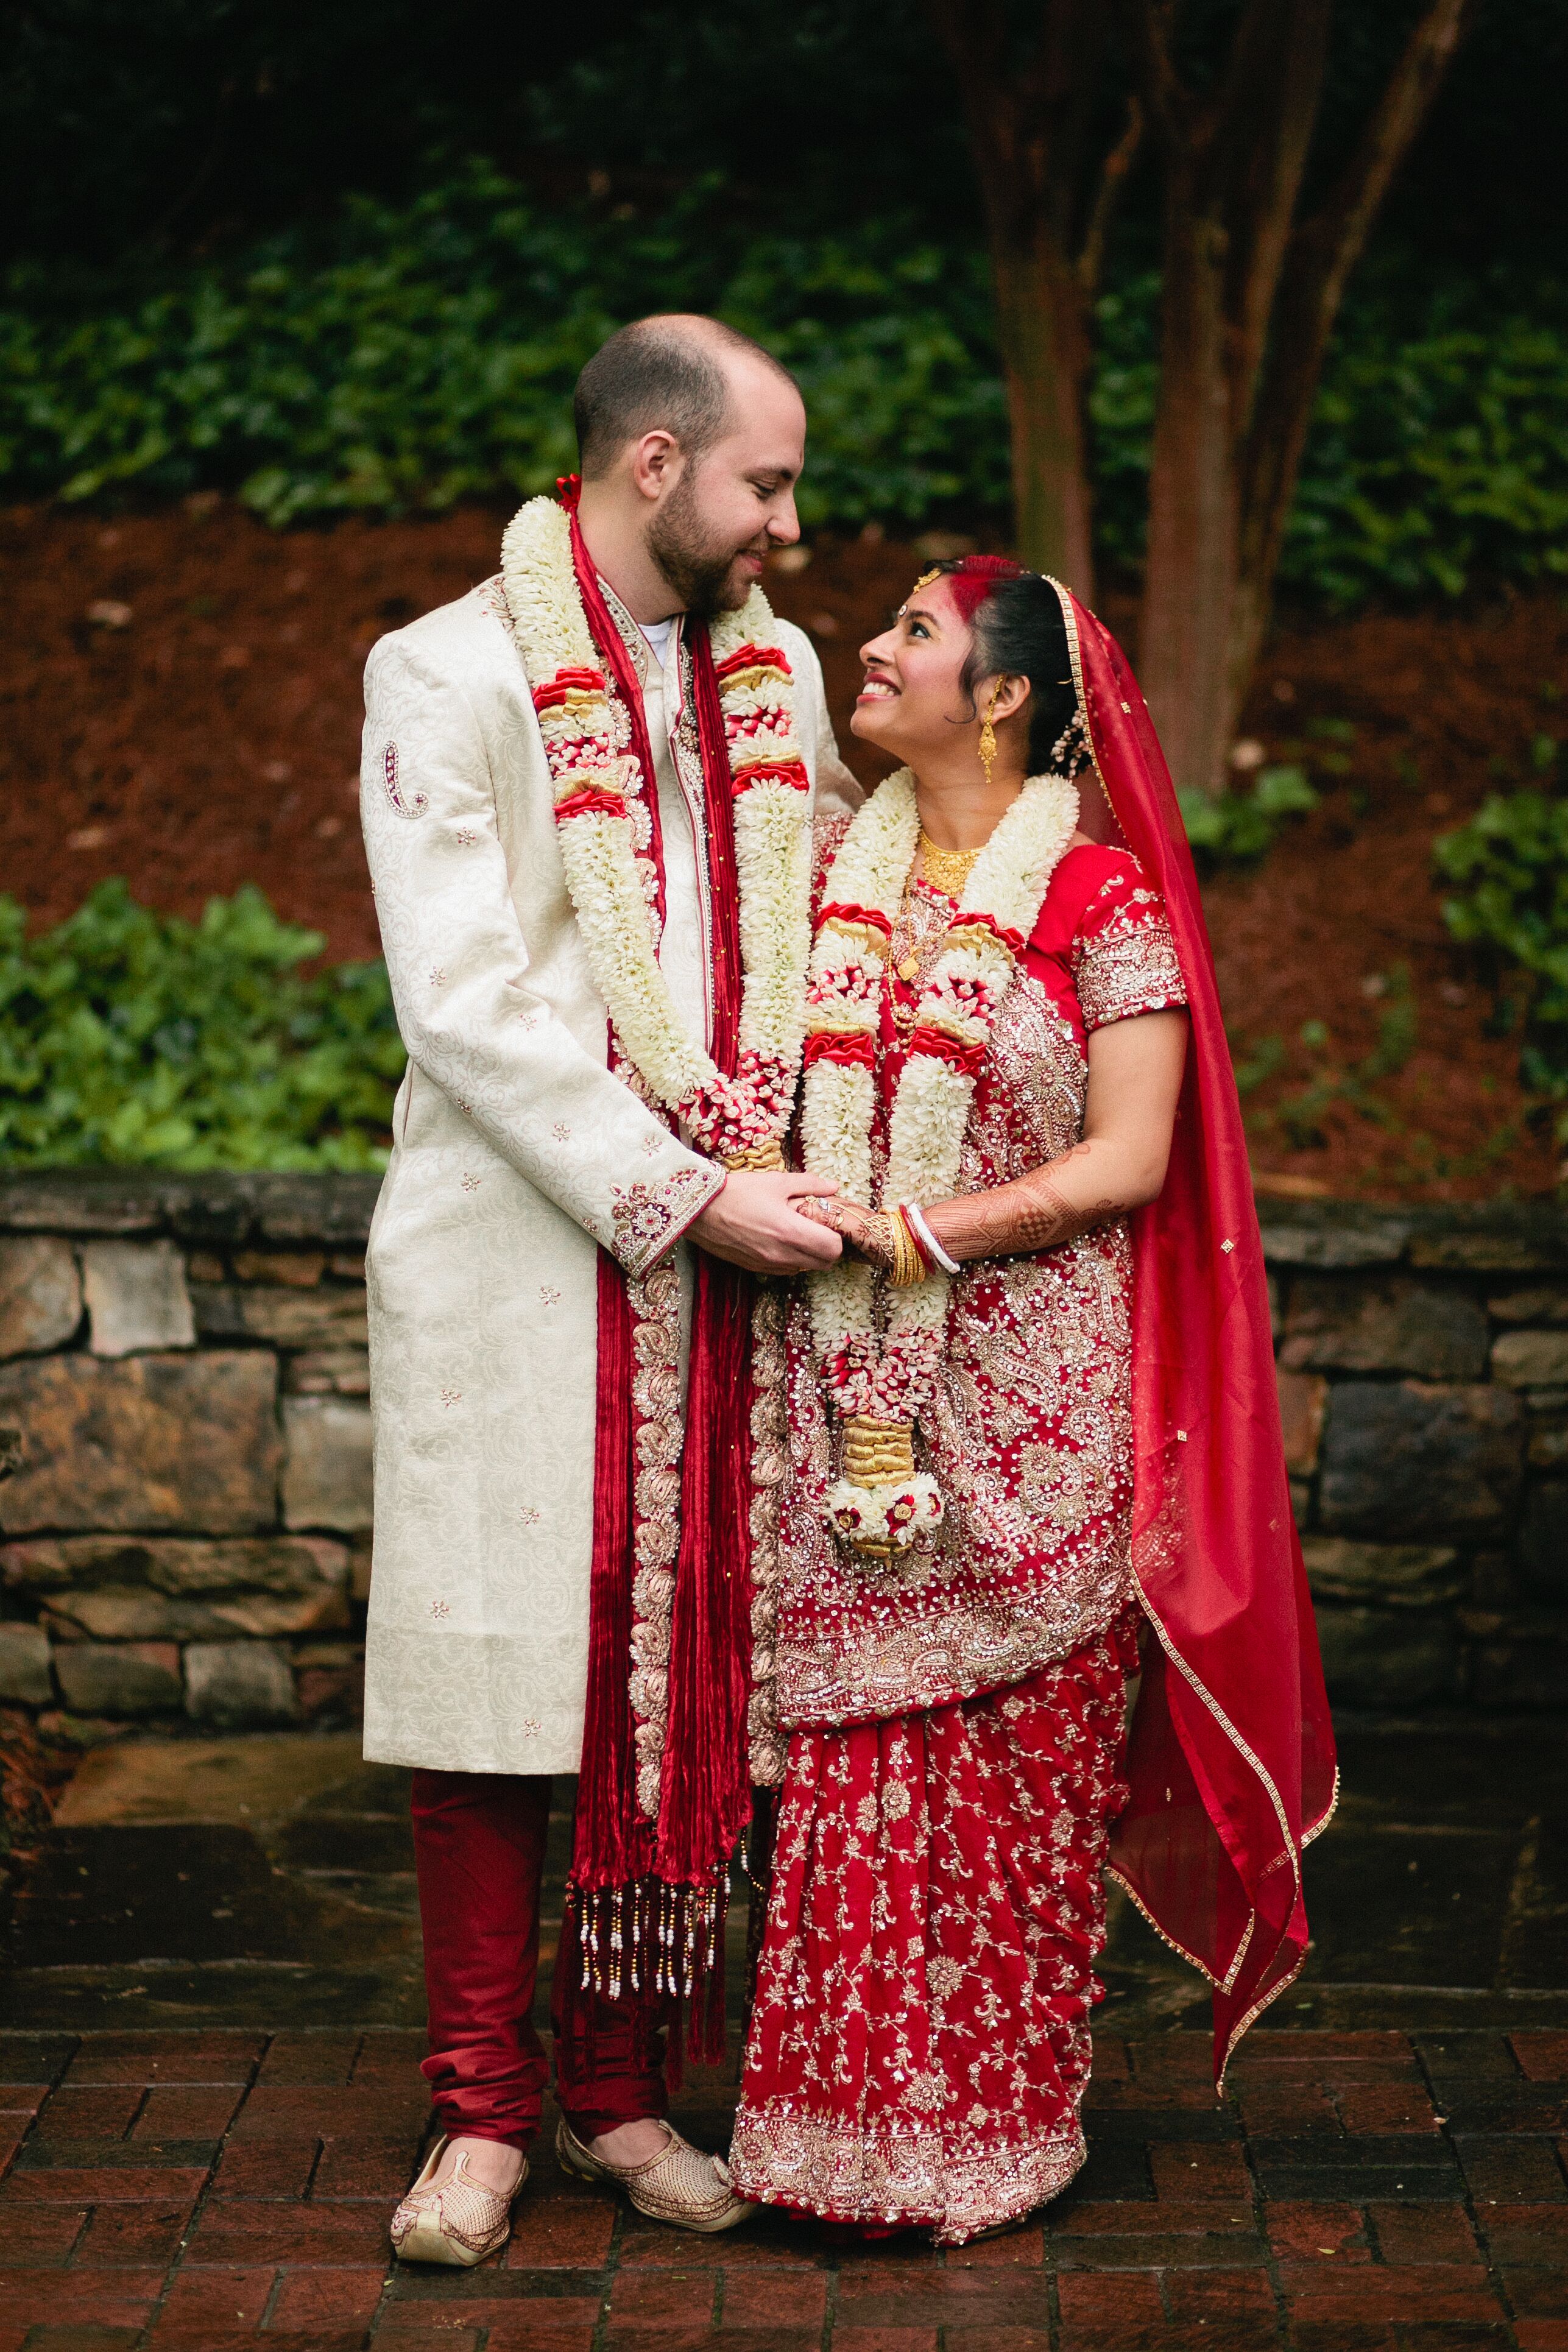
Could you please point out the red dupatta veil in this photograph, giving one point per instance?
(1231, 1759)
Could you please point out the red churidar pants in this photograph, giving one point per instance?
(478, 1846)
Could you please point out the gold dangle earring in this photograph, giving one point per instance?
(988, 735)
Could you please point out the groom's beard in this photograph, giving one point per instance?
(698, 569)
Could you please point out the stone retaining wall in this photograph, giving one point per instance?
(185, 1446)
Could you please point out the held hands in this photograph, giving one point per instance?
(770, 1223)
(858, 1227)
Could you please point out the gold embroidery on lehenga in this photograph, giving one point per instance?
(1029, 1432)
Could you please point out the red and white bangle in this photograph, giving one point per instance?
(926, 1238)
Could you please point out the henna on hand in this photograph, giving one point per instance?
(1011, 1220)
(856, 1225)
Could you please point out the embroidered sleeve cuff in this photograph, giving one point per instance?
(651, 1218)
(1134, 971)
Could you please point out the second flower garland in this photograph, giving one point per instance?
(882, 1380)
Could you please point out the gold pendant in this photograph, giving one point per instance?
(909, 967)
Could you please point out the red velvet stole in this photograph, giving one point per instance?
(650, 1895)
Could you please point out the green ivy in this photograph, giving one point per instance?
(1239, 828)
(404, 356)
(132, 1039)
(1509, 866)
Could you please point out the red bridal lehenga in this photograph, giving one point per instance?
(958, 1769)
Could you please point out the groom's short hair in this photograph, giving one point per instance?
(665, 372)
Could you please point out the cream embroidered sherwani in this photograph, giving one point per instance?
(516, 1152)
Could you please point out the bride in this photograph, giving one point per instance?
(1027, 1450)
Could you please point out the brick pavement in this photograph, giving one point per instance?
(201, 2192)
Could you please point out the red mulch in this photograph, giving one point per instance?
(211, 739)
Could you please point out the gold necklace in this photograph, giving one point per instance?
(947, 870)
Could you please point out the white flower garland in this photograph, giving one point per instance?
(890, 1379)
(603, 824)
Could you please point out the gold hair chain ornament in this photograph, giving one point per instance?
(988, 734)
(923, 582)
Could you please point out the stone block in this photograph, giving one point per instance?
(1493, 1584)
(235, 1683)
(328, 1371)
(1338, 1323)
(327, 1471)
(1526, 1666)
(1541, 1304)
(136, 1297)
(329, 1676)
(135, 1614)
(121, 1678)
(1388, 1657)
(40, 1295)
(1531, 1359)
(313, 1210)
(175, 1564)
(1543, 1543)
(283, 1318)
(299, 1269)
(1549, 1448)
(1303, 1398)
(1332, 1233)
(362, 1551)
(24, 1665)
(1412, 1461)
(1502, 1238)
(150, 1444)
(1418, 1576)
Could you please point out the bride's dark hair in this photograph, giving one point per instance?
(1017, 617)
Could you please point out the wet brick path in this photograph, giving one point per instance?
(1357, 2192)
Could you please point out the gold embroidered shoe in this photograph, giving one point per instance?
(461, 2222)
(679, 2185)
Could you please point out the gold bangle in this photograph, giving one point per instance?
(908, 1265)
(921, 1262)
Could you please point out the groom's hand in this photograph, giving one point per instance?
(756, 1221)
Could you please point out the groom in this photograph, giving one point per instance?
(585, 794)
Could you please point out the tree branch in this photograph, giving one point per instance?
(1112, 179)
(1322, 256)
(1335, 239)
(1170, 102)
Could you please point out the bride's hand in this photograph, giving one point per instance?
(860, 1229)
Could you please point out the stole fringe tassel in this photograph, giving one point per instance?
(659, 1945)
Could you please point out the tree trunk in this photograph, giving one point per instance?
(1048, 186)
(1045, 345)
(1191, 576)
(1249, 302)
